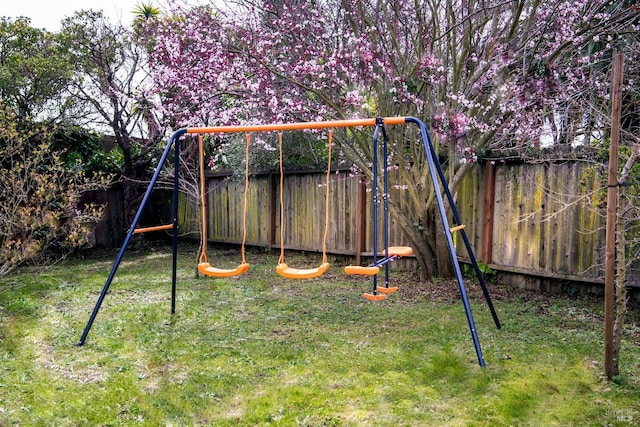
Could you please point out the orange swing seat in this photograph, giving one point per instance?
(372, 297)
(360, 270)
(301, 273)
(399, 251)
(283, 268)
(206, 269)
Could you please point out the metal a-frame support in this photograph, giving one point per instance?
(438, 178)
(174, 141)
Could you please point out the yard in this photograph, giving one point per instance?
(262, 350)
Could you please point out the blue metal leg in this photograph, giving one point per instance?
(173, 140)
(465, 238)
(431, 159)
(376, 134)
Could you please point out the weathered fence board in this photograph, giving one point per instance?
(469, 199)
(543, 222)
(111, 230)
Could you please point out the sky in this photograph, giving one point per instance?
(49, 13)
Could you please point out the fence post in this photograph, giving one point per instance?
(489, 205)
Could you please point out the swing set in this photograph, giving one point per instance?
(389, 254)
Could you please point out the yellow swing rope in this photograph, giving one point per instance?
(326, 206)
(326, 201)
(203, 211)
(246, 191)
(281, 259)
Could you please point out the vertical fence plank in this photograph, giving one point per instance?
(488, 211)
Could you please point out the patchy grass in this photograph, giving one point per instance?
(261, 350)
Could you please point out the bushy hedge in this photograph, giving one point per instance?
(39, 202)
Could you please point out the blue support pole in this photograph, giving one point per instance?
(173, 140)
(174, 208)
(376, 134)
(465, 238)
(431, 159)
(385, 198)
(384, 261)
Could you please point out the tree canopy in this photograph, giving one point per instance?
(484, 75)
(34, 71)
(110, 89)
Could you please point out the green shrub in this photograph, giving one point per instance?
(39, 203)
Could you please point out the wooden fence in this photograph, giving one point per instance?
(542, 223)
(304, 213)
(536, 223)
(110, 231)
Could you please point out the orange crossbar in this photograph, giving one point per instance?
(457, 228)
(297, 126)
(156, 228)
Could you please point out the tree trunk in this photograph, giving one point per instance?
(443, 256)
(132, 198)
(414, 234)
(429, 246)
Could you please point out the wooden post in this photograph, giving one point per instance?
(611, 365)
(361, 220)
(489, 205)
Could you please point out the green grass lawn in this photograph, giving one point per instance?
(262, 350)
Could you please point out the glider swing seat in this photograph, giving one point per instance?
(204, 267)
(390, 253)
(303, 273)
(394, 253)
(437, 178)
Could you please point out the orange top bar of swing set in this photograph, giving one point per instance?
(297, 126)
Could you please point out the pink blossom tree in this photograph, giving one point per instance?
(484, 75)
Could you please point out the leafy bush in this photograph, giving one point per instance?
(84, 149)
(39, 207)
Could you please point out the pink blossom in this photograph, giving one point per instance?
(310, 61)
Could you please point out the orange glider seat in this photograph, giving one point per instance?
(394, 251)
(371, 297)
(399, 251)
(359, 270)
(301, 273)
(206, 269)
(389, 290)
